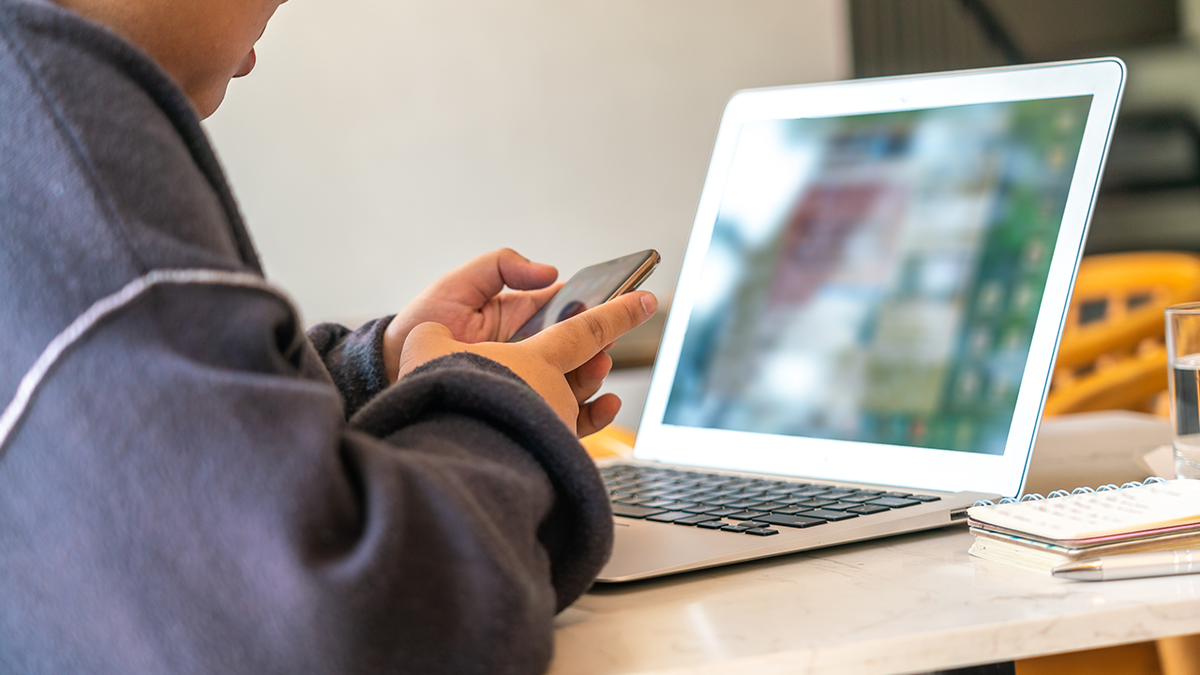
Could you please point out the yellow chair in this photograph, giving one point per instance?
(1112, 354)
(613, 440)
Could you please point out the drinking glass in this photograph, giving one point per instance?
(1183, 366)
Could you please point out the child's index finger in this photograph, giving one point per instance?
(573, 342)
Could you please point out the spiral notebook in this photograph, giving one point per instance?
(1042, 533)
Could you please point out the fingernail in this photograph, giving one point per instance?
(649, 303)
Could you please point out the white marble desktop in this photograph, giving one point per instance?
(907, 604)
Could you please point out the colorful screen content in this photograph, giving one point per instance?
(877, 278)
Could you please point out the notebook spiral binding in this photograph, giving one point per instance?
(1034, 497)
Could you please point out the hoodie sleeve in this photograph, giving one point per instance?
(354, 359)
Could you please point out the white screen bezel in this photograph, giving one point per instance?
(1103, 79)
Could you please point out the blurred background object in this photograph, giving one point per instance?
(1112, 354)
(1150, 199)
(896, 37)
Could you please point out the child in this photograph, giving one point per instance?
(188, 482)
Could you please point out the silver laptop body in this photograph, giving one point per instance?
(870, 300)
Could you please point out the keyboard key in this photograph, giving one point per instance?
(791, 510)
(700, 508)
(893, 502)
(724, 513)
(840, 506)
(660, 492)
(695, 520)
(669, 516)
(735, 528)
(816, 503)
(752, 523)
(791, 521)
(712, 525)
(746, 504)
(824, 514)
(867, 509)
(761, 495)
(926, 498)
(681, 495)
(761, 531)
(746, 515)
(633, 511)
(810, 492)
(724, 501)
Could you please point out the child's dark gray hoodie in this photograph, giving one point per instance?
(188, 482)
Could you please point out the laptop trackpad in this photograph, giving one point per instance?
(648, 549)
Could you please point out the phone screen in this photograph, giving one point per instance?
(591, 286)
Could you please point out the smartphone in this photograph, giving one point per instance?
(592, 286)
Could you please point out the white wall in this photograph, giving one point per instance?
(380, 143)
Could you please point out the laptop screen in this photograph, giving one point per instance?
(878, 274)
(878, 277)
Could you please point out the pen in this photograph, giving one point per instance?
(1131, 566)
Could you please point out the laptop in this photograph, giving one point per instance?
(867, 314)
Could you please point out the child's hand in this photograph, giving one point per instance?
(565, 363)
(468, 301)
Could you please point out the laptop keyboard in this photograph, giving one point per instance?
(739, 504)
